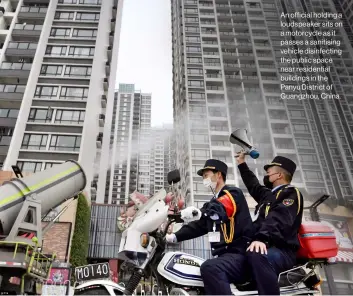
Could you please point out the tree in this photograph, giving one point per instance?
(80, 239)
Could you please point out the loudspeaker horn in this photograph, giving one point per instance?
(240, 138)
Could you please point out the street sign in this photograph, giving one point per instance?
(92, 271)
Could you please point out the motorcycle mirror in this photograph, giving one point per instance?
(173, 177)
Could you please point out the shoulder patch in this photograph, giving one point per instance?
(288, 202)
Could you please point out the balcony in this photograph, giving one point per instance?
(94, 187)
(104, 101)
(107, 68)
(105, 84)
(15, 70)
(99, 140)
(7, 122)
(21, 49)
(111, 37)
(11, 95)
(32, 13)
(4, 144)
(101, 120)
(25, 31)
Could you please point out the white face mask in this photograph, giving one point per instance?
(209, 183)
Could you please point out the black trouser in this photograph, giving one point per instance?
(266, 268)
(218, 273)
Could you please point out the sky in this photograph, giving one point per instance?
(145, 54)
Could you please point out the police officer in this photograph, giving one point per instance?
(280, 212)
(227, 221)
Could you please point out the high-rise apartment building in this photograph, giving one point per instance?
(226, 60)
(57, 71)
(129, 152)
(227, 75)
(163, 157)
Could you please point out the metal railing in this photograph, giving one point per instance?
(12, 88)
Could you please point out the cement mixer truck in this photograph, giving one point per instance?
(23, 204)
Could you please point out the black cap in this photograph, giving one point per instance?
(283, 162)
(214, 164)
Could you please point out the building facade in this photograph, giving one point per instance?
(227, 63)
(58, 69)
(226, 59)
(129, 148)
(163, 157)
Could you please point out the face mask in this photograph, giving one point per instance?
(268, 184)
(209, 183)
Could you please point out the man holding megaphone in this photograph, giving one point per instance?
(279, 214)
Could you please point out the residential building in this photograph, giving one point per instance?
(57, 72)
(129, 152)
(227, 75)
(162, 157)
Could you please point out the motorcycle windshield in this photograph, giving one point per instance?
(159, 196)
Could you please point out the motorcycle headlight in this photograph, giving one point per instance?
(144, 240)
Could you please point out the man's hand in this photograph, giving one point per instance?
(171, 238)
(187, 214)
(240, 156)
(256, 245)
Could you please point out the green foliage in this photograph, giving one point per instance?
(80, 239)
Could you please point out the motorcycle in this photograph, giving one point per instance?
(143, 245)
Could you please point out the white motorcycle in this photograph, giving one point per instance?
(177, 273)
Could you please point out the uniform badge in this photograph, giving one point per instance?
(288, 202)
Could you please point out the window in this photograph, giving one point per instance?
(91, 2)
(81, 51)
(64, 16)
(199, 139)
(196, 96)
(40, 115)
(300, 127)
(74, 93)
(56, 50)
(194, 60)
(65, 143)
(193, 49)
(6, 131)
(78, 71)
(8, 113)
(195, 83)
(57, 32)
(305, 143)
(195, 71)
(312, 176)
(46, 91)
(346, 190)
(308, 158)
(69, 116)
(51, 70)
(84, 33)
(34, 142)
(12, 88)
(28, 166)
(82, 16)
(50, 164)
(200, 153)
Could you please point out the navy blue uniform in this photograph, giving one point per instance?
(279, 218)
(235, 236)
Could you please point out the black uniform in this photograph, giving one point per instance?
(243, 228)
(235, 226)
(279, 217)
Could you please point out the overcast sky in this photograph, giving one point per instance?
(145, 54)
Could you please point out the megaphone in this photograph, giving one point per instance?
(240, 137)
